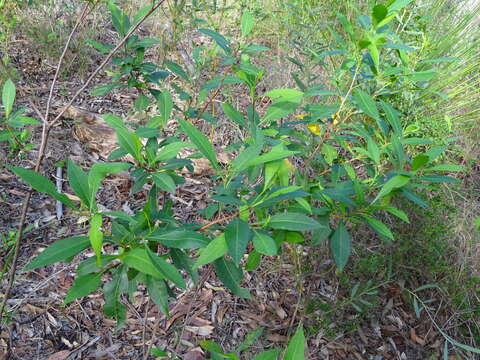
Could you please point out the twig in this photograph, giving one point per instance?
(210, 224)
(58, 180)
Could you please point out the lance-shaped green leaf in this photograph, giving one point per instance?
(296, 346)
(241, 162)
(169, 271)
(95, 235)
(392, 117)
(83, 286)
(215, 249)
(341, 246)
(234, 114)
(78, 180)
(237, 236)
(247, 23)
(181, 239)
(219, 39)
(366, 103)
(112, 291)
(165, 106)
(379, 227)
(171, 150)
(138, 259)
(293, 221)
(158, 292)
(264, 244)
(230, 275)
(8, 97)
(278, 152)
(164, 182)
(201, 142)
(41, 184)
(393, 183)
(128, 140)
(59, 251)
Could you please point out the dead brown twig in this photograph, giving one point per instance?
(47, 126)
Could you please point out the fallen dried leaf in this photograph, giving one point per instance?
(200, 330)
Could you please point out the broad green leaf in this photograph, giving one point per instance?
(413, 197)
(95, 235)
(83, 286)
(280, 108)
(59, 251)
(366, 103)
(164, 182)
(181, 239)
(296, 346)
(176, 69)
(183, 261)
(230, 275)
(169, 271)
(271, 354)
(201, 142)
(105, 89)
(234, 114)
(264, 244)
(138, 259)
(141, 103)
(98, 172)
(41, 184)
(253, 260)
(112, 291)
(373, 150)
(398, 5)
(379, 227)
(171, 150)
(247, 23)
(8, 97)
(397, 212)
(379, 13)
(237, 236)
(284, 93)
(219, 39)
(78, 180)
(277, 153)
(392, 117)
(419, 162)
(329, 152)
(215, 249)
(90, 264)
(293, 221)
(158, 292)
(393, 183)
(165, 107)
(128, 140)
(243, 158)
(341, 246)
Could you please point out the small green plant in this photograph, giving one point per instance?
(353, 155)
(13, 122)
